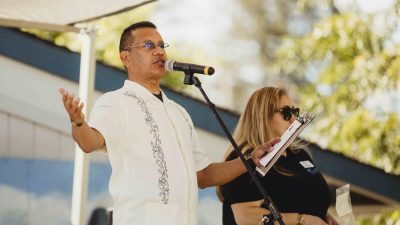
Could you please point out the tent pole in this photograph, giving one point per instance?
(86, 89)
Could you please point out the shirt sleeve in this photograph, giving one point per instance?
(201, 158)
(107, 118)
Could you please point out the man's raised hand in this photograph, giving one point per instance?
(73, 106)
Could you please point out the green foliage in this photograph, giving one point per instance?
(354, 67)
(387, 218)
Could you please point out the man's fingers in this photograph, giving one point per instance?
(74, 105)
(62, 91)
(80, 107)
(269, 149)
(77, 108)
(274, 141)
(68, 101)
(268, 146)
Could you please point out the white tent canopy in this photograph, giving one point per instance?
(57, 15)
(61, 15)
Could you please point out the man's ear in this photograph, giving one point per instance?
(124, 58)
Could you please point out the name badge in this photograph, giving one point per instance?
(306, 164)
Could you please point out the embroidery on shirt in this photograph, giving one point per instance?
(156, 147)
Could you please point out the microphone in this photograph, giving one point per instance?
(171, 65)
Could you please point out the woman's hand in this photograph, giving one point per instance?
(331, 220)
(312, 220)
(250, 213)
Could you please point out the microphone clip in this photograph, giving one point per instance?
(188, 79)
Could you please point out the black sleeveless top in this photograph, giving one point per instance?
(304, 192)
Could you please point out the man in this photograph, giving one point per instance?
(151, 143)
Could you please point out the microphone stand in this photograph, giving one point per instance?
(274, 215)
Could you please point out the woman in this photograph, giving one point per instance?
(295, 185)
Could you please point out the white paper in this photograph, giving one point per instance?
(285, 137)
(342, 204)
(286, 140)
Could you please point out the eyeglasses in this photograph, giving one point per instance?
(288, 111)
(149, 45)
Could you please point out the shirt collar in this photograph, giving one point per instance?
(144, 93)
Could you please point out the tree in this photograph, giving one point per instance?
(355, 68)
(346, 68)
(391, 217)
(341, 67)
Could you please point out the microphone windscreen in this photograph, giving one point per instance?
(169, 65)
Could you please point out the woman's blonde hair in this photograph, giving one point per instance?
(254, 126)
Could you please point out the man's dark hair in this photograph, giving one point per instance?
(127, 38)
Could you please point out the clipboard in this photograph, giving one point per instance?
(286, 139)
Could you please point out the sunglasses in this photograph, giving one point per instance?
(288, 111)
(149, 45)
